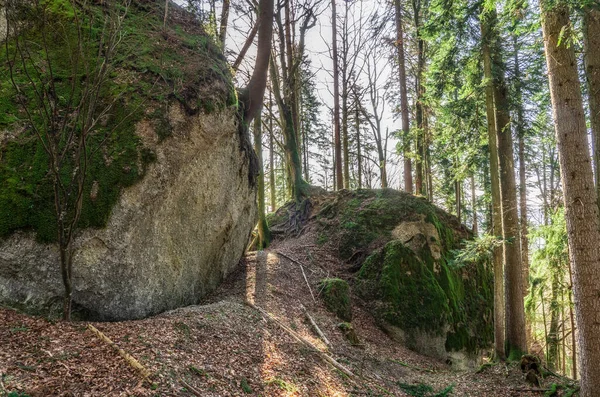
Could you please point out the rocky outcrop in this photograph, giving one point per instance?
(170, 202)
(171, 238)
(401, 256)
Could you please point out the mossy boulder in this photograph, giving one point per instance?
(400, 254)
(169, 200)
(336, 295)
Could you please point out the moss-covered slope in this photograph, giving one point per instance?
(151, 68)
(400, 252)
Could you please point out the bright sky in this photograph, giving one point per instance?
(317, 48)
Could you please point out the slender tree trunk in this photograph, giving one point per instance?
(552, 339)
(253, 94)
(419, 113)
(522, 178)
(408, 182)
(457, 197)
(272, 166)
(297, 185)
(581, 209)
(573, 327)
(591, 41)
(474, 205)
(495, 189)
(358, 148)
(223, 24)
(516, 342)
(264, 234)
(339, 176)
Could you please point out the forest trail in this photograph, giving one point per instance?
(226, 348)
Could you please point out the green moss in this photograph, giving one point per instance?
(365, 217)
(336, 295)
(418, 294)
(410, 294)
(150, 69)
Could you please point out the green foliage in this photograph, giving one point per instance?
(568, 390)
(336, 295)
(423, 390)
(282, 384)
(146, 73)
(245, 386)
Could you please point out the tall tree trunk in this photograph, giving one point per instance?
(591, 41)
(474, 205)
(495, 188)
(358, 148)
(339, 176)
(252, 96)
(516, 342)
(272, 166)
(223, 24)
(552, 339)
(581, 209)
(264, 234)
(420, 187)
(573, 327)
(297, 184)
(522, 177)
(408, 182)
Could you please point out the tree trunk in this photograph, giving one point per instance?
(252, 98)
(495, 187)
(358, 148)
(522, 178)
(272, 171)
(339, 176)
(552, 339)
(581, 209)
(474, 205)
(516, 343)
(591, 41)
(297, 184)
(223, 24)
(264, 234)
(419, 112)
(408, 182)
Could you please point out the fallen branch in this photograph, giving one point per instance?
(300, 339)
(533, 389)
(303, 274)
(135, 364)
(315, 326)
(191, 389)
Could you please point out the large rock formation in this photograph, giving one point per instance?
(170, 202)
(402, 259)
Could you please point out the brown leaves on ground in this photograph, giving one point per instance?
(226, 348)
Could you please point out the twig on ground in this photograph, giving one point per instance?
(190, 388)
(533, 389)
(135, 364)
(300, 339)
(303, 274)
(315, 326)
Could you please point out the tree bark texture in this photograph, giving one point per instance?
(580, 199)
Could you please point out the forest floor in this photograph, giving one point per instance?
(226, 347)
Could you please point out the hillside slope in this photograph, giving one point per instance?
(228, 348)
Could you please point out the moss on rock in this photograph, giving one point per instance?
(410, 296)
(151, 69)
(364, 219)
(336, 295)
